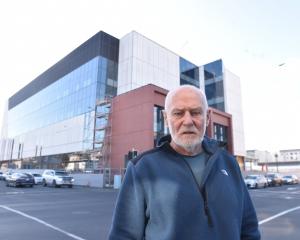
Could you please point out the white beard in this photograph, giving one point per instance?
(188, 144)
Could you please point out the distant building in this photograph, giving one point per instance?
(86, 112)
(290, 155)
(286, 160)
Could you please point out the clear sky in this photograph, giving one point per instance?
(258, 40)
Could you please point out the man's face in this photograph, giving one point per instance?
(187, 120)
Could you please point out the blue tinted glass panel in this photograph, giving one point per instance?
(189, 73)
(71, 95)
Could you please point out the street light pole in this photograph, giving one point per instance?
(276, 158)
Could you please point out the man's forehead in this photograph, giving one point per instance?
(186, 108)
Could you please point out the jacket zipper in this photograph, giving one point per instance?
(206, 209)
(204, 196)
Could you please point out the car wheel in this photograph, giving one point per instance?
(7, 184)
(256, 186)
(54, 184)
(31, 185)
(44, 183)
(265, 185)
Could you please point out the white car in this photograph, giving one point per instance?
(256, 181)
(290, 179)
(38, 179)
(7, 175)
(57, 178)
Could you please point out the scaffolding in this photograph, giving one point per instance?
(103, 132)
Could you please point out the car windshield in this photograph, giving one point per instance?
(287, 176)
(36, 175)
(251, 177)
(26, 175)
(61, 173)
(270, 175)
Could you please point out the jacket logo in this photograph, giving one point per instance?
(224, 172)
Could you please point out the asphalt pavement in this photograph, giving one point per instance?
(278, 210)
(55, 213)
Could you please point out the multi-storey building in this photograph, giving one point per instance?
(105, 98)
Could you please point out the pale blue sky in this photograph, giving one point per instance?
(252, 37)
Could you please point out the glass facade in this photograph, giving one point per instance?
(189, 73)
(70, 96)
(214, 85)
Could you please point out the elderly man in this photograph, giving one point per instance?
(187, 188)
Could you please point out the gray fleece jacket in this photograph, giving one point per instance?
(161, 200)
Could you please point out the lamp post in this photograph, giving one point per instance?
(276, 159)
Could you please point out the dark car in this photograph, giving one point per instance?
(19, 180)
(274, 179)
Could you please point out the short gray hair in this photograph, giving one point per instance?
(171, 94)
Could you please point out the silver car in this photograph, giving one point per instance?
(290, 179)
(256, 181)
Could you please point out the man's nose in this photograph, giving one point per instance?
(187, 118)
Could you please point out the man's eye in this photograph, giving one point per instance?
(177, 114)
(195, 113)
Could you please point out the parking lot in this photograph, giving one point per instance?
(278, 210)
(85, 213)
(55, 213)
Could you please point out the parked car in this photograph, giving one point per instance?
(19, 180)
(7, 174)
(290, 179)
(57, 178)
(38, 179)
(274, 179)
(256, 181)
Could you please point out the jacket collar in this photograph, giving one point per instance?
(209, 145)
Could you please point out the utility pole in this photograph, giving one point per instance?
(276, 158)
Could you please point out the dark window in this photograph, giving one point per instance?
(213, 69)
(189, 73)
(221, 135)
(214, 90)
(159, 128)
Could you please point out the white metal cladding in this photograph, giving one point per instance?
(233, 105)
(142, 62)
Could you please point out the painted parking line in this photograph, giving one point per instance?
(42, 222)
(278, 215)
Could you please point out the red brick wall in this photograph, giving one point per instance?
(132, 121)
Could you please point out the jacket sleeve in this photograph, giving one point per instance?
(250, 229)
(129, 216)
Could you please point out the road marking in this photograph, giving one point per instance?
(278, 215)
(14, 193)
(42, 222)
